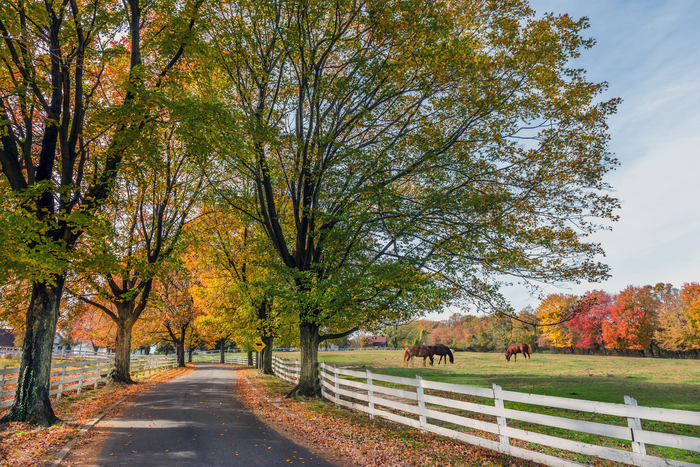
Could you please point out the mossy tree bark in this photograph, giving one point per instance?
(31, 403)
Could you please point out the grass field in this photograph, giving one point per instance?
(653, 382)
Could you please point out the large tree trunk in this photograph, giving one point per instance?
(266, 368)
(122, 353)
(250, 357)
(31, 403)
(222, 353)
(181, 354)
(179, 343)
(308, 385)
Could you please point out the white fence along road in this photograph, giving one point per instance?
(413, 407)
(75, 376)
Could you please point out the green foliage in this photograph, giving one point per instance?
(393, 182)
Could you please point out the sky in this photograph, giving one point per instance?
(649, 53)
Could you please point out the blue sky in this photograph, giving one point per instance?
(649, 53)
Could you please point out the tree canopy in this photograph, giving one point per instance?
(364, 162)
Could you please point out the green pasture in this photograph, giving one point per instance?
(9, 363)
(653, 382)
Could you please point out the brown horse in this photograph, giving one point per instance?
(514, 349)
(417, 351)
(443, 351)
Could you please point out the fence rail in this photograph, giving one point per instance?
(435, 413)
(216, 358)
(75, 376)
(286, 370)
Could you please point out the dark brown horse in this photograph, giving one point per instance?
(514, 349)
(443, 351)
(417, 351)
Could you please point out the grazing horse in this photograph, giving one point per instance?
(443, 351)
(417, 351)
(514, 349)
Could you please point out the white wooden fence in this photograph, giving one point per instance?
(216, 358)
(438, 414)
(287, 370)
(76, 376)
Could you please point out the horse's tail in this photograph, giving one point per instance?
(405, 356)
(529, 347)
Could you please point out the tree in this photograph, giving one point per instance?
(632, 319)
(61, 152)
(238, 275)
(401, 150)
(152, 202)
(588, 325)
(525, 327)
(54, 58)
(679, 320)
(553, 315)
(92, 326)
(175, 310)
(690, 297)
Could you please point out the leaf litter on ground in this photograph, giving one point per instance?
(353, 436)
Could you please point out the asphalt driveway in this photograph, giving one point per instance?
(196, 420)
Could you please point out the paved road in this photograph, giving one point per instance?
(196, 420)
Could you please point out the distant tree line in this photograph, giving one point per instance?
(658, 320)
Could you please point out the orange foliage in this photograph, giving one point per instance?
(632, 320)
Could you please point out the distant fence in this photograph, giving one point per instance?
(413, 407)
(60, 355)
(76, 376)
(216, 358)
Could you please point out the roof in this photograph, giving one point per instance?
(376, 340)
(7, 339)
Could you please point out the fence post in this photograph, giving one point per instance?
(80, 378)
(635, 424)
(421, 402)
(337, 385)
(97, 374)
(502, 422)
(2, 385)
(60, 384)
(370, 394)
